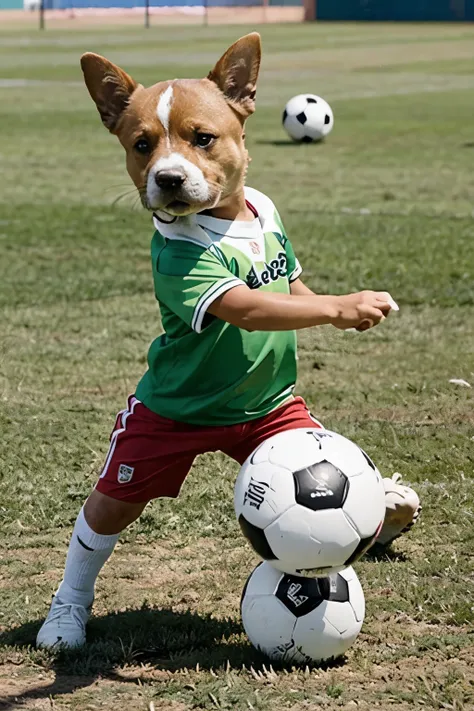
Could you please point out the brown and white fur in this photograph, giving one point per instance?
(184, 138)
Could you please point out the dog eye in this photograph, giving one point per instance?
(203, 140)
(142, 146)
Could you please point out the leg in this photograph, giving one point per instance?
(109, 517)
(402, 510)
(149, 457)
(95, 534)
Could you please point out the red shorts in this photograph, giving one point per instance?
(150, 456)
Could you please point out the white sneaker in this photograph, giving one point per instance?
(65, 626)
(402, 510)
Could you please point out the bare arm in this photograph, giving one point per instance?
(255, 310)
(297, 288)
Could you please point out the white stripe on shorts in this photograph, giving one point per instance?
(113, 440)
(315, 420)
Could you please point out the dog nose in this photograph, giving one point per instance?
(170, 179)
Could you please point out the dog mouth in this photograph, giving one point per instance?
(177, 207)
(181, 208)
(173, 207)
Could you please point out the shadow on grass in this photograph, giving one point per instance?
(287, 142)
(161, 638)
(277, 142)
(144, 638)
(380, 553)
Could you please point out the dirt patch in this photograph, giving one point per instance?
(168, 706)
(18, 683)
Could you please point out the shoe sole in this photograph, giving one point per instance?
(407, 528)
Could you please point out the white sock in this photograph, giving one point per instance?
(88, 552)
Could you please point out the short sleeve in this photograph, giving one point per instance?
(188, 278)
(294, 268)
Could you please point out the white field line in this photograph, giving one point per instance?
(341, 86)
(447, 83)
(436, 83)
(20, 83)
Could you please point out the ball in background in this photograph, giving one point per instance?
(309, 501)
(308, 118)
(305, 620)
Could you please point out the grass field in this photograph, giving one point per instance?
(387, 202)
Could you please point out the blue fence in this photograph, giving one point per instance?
(68, 4)
(396, 10)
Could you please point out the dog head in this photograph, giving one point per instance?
(184, 139)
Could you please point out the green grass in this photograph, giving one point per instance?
(386, 202)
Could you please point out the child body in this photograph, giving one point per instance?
(222, 375)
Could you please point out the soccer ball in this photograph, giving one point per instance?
(307, 118)
(309, 501)
(302, 619)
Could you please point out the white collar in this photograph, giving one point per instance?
(182, 228)
(192, 228)
(231, 228)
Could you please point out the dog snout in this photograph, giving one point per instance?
(170, 179)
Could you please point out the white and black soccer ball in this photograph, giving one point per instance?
(307, 118)
(302, 619)
(309, 501)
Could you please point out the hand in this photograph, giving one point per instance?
(362, 310)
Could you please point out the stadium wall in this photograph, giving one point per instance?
(128, 4)
(393, 10)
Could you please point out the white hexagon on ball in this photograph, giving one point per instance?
(310, 546)
(307, 118)
(263, 493)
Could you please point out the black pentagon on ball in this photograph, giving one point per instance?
(338, 588)
(303, 595)
(301, 117)
(311, 100)
(306, 139)
(320, 486)
(284, 117)
(299, 595)
(257, 539)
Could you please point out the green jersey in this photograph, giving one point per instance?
(203, 370)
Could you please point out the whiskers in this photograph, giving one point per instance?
(131, 197)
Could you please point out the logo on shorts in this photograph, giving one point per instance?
(125, 474)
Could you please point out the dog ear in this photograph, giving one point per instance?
(109, 86)
(236, 73)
